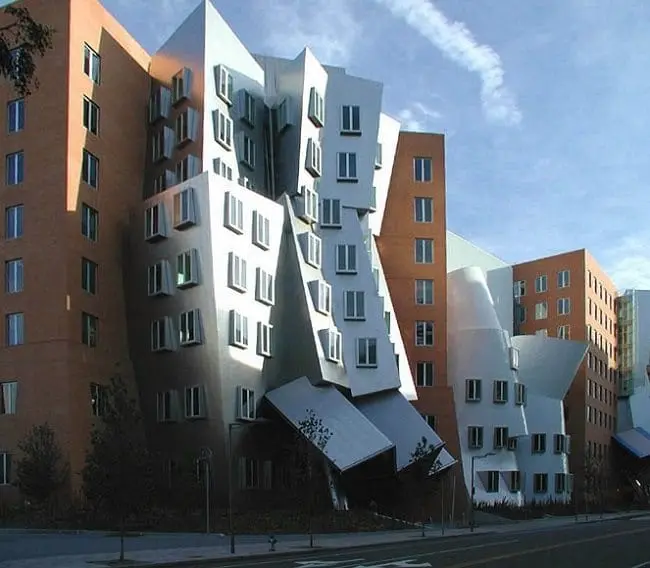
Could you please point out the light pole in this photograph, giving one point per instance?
(471, 504)
(205, 458)
(231, 427)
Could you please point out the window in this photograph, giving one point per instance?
(354, 301)
(8, 397)
(165, 406)
(91, 116)
(347, 166)
(162, 146)
(90, 169)
(187, 269)
(16, 115)
(316, 107)
(14, 276)
(247, 107)
(424, 333)
(492, 482)
(186, 126)
(15, 168)
(519, 288)
(430, 419)
(513, 353)
(314, 250)
(223, 129)
(245, 404)
(188, 167)
(563, 279)
(14, 329)
(5, 468)
(564, 332)
(424, 251)
(159, 103)
(89, 271)
(283, 114)
(237, 272)
(333, 346)
(542, 332)
(238, 329)
(560, 483)
(154, 222)
(189, 326)
(184, 208)
(322, 296)
(500, 437)
(513, 443)
(98, 397)
(350, 120)
(224, 84)
(314, 163)
(563, 306)
(422, 169)
(14, 222)
(194, 402)
(540, 483)
(475, 437)
(264, 339)
(222, 169)
(379, 156)
(92, 64)
(424, 292)
(423, 209)
(541, 284)
(331, 213)
(89, 329)
(561, 444)
(346, 259)
(247, 151)
(539, 443)
(307, 203)
(249, 473)
(265, 287)
(424, 374)
(500, 392)
(261, 231)
(387, 321)
(472, 390)
(157, 279)
(515, 481)
(521, 313)
(541, 310)
(181, 83)
(366, 352)
(234, 214)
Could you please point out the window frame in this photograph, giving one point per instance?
(367, 352)
(423, 209)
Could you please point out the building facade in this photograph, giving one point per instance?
(569, 296)
(65, 208)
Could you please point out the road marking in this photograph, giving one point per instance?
(642, 565)
(487, 560)
(327, 563)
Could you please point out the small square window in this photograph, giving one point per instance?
(314, 163)
(333, 346)
(423, 209)
(515, 481)
(234, 214)
(247, 107)
(513, 353)
(541, 310)
(187, 269)
(500, 394)
(541, 284)
(563, 279)
(475, 437)
(184, 209)
(186, 127)
(158, 279)
(89, 329)
(237, 272)
(493, 482)
(564, 306)
(424, 251)
(181, 85)
(247, 151)
(154, 225)
(92, 64)
(350, 119)
(224, 84)
(189, 327)
(330, 213)
(346, 259)
(89, 222)
(316, 108)
(16, 115)
(424, 333)
(265, 292)
(90, 169)
(261, 231)
(347, 166)
(473, 390)
(161, 335)
(15, 168)
(564, 332)
(540, 483)
(89, 270)
(354, 305)
(422, 169)
(246, 404)
(14, 329)
(424, 374)
(195, 406)
(539, 443)
(424, 292)
(313, 252)
(14, 275)
(307, 205)
(238, 330)
(321, 293)
(366, 352)
(264, 339)
(223, 129)
(519, 288)
(90, 116)
(500, 437)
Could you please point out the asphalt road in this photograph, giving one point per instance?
(614, 544)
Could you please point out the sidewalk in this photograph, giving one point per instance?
(294, 545)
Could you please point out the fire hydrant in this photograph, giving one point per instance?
(272, 542)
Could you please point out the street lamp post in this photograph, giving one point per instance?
(205, 458)
(473, 488)
(231, 427)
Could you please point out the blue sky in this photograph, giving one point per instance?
(544, 104)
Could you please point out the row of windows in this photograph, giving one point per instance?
(563, 482)
(474, 387)
(501, 440)
(541, 283)
(541, 310)
(600, 392)
(601, 342)
(599, 418)
(594, 363)
(15, 329)
(599, 289)
(601, 317)
(15, 275)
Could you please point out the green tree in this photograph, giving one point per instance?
(311, 443)
(42, 470)
(421, 476)
(118, 476)
(22, 40)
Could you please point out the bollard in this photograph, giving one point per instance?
(272, 542)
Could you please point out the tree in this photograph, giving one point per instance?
(311, 443)
(41, 471)
(594, 480)
(22, 40)
(421, 475)
(117, 476)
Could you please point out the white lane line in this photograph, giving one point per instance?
(241, 561)
(642, 565)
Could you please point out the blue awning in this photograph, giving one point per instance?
(636, 441)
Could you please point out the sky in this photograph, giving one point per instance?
(544, 104)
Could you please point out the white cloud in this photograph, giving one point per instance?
(417, 117)
(329, 29)
(628, 263)
(459, 45)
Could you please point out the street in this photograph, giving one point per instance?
(619, 544)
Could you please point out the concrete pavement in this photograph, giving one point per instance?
(50, 550)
